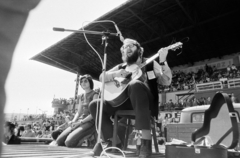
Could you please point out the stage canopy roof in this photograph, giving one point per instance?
(212, 27)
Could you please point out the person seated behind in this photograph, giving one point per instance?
(180, 105)
(20, 131)
(28, 132)
(39, 134)
(47, 125)
(171, 105)
(82, 124)
(234, 99)
(229, 69)
(46, 134)
(8, 134)
(234, 68)
(142, 94)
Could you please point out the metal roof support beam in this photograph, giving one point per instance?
(184, 11)
(79, 42)
(157, 13)
(76, 89)
(84, 41)
(141, 11)
(143, 21)
(112, 15)
(55, 64)
(81, 58)
(57, 60)
(190, 27)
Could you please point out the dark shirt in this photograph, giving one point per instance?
(14, 140)
(85, 99)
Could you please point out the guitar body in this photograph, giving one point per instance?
(115, 92)
(115, 96)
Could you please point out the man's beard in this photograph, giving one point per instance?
(132, 58)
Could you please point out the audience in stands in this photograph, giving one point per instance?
(185, 81)
(183, 103)
(28, 132)
(208, 101)
(234, 99)
(191, 101)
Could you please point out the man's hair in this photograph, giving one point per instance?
(89, 78)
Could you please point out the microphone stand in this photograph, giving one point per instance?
(98, 147)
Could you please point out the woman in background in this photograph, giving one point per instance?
(82, 124)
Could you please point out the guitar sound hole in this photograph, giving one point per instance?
(129, 76)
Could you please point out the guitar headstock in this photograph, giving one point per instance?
(175, 46)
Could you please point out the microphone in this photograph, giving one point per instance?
(88, 32)
(58, 29)
(119, 33)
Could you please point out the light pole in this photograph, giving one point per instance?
(20, 115)
(12, 115)
(27, 111)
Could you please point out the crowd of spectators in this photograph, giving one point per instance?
(62, 101)
(185, 81)
(190, 102)
(46, 127)
(183, 103)
(40, 126)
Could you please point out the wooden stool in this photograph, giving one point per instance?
(130, 114)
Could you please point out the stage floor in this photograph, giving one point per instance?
(47, 151)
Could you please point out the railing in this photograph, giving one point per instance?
(232, 83)
(209, 86)
(189, 93)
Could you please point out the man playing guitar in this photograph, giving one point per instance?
(142, 93)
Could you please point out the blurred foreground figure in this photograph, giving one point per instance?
(8, 134)
(13, 16)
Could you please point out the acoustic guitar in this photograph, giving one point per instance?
(115, 92)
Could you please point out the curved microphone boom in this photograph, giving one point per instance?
(119, 33)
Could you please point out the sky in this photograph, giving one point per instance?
(31, 85)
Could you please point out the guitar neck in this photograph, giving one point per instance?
(157, 54)
(149, 60)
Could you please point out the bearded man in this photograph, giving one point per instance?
(142, 93)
